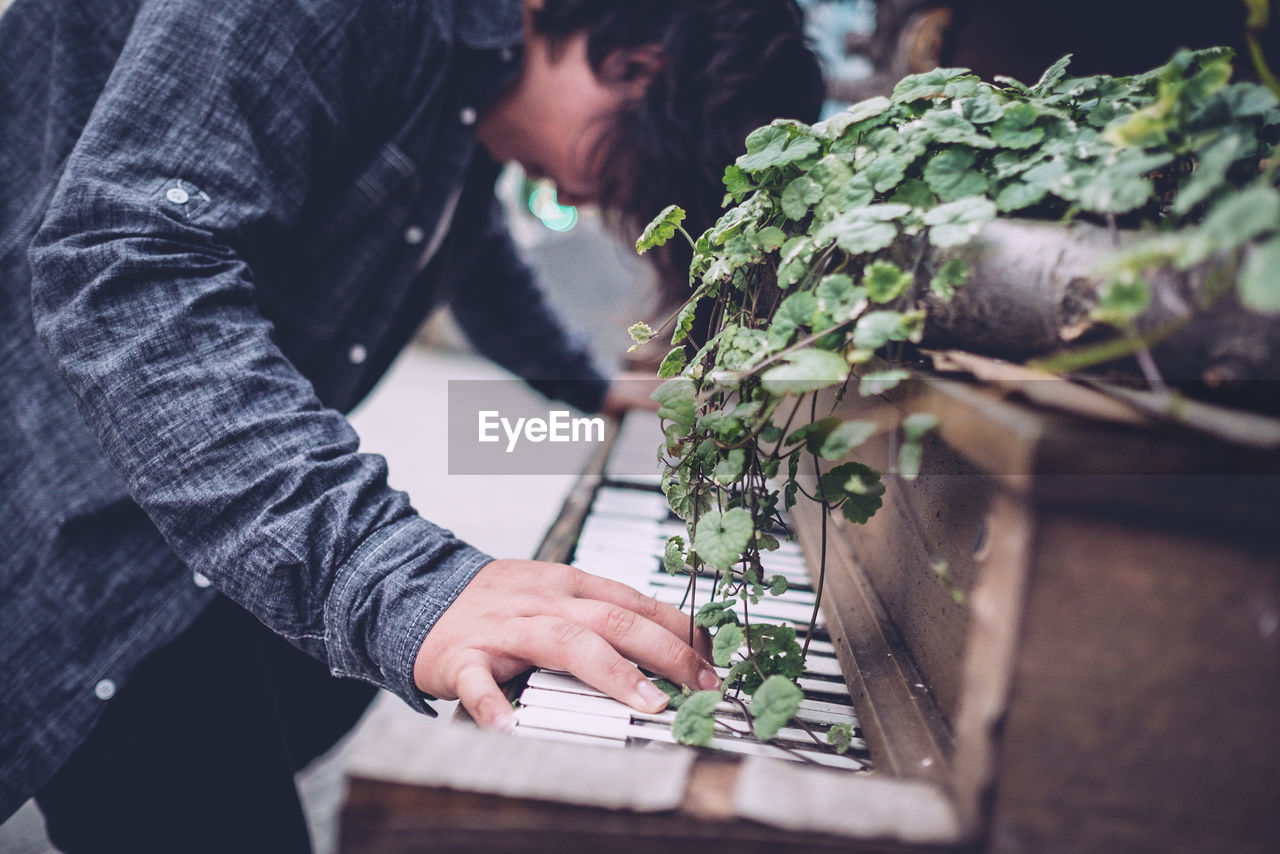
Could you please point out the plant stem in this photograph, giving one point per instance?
(822, 557)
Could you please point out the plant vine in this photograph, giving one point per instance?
(816, 274)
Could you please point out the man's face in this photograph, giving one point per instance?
(552, 119)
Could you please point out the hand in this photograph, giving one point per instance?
(630, 390)
(517, 614)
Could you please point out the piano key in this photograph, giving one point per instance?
(562, 691)
(621, 729)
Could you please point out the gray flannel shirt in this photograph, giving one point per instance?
(219, 222)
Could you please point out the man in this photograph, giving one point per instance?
(219, 222)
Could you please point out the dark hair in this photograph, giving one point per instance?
(724, 68)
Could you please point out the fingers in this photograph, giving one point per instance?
(481, 696)
(647, 643)
(564, 644)
(670, 618)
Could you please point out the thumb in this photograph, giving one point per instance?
(482, 698)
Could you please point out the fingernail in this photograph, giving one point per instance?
(651, 694)
(708, 680)
(505, 722)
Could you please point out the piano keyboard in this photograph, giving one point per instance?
(623, 538)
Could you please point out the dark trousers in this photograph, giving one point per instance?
(197, 751)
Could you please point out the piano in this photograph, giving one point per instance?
(1097, 668)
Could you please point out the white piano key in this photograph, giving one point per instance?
(622, 729)
(564, 692)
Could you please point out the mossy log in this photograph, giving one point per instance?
(1033, 286)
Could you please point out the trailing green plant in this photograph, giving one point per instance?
(816, 273)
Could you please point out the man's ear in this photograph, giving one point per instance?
(632, 68)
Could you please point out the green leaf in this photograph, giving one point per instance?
(662, 229)
(806, 370)
(844, 438)
(715, 614)
(1016, 128)
(856, 233)
(794, 312)
(796, 255)
(878, 382)
(672, 363)
(927, 85)
(1241, 217)
(1259, 282)
(836, 126)
(1052, 75)
(773, 704)
(770, 238)
(948, 127)
(838, 298)
(1122, 300)
(952, 275)
(915, 426)
(727, 642)
(677, 402)
(981, 109)
(695, 722)
(773, 146)
(1017, 195)
(675, 694)
(680, 499)
(840, 736)
(884, 281)
(877, 328)
(910, 457)
(729, 470)
(778, 585)
(956, 222)
(799, 195)
(640, 333)
(914, 192)
(684, 322)
(885, 172)
(962, 87)
(737, 182)
(814, 431)
(850, 196)
(1121, 186)
(951, 175)
(857, 485)
(1210, 174)
(673, 555)
(722, 537)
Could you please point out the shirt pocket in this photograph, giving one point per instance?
(353, 240)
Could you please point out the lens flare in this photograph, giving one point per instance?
(543, 205)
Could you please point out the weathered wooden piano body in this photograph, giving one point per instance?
(1109, 682)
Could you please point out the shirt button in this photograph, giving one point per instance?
(357, 354)
(177, 195)
(506, 54)
(413, 235)
(200, 579)
(467, 116)
(104, 690)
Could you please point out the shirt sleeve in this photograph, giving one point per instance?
(146, 303)
(507, 318)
